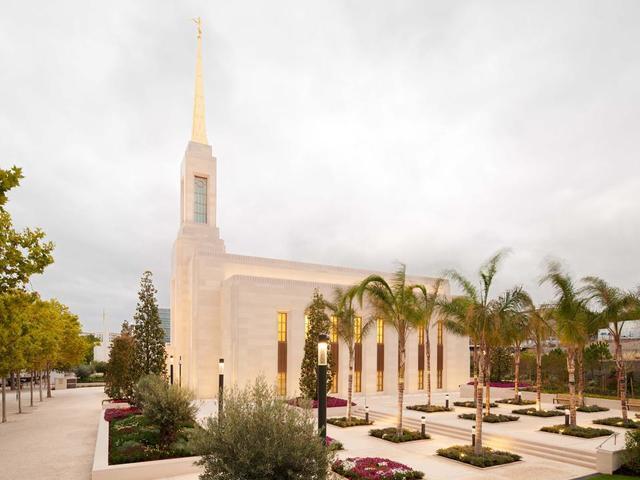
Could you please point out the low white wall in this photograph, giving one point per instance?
(608, 461)
(135, 471)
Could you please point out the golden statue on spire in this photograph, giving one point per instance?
(199, 130)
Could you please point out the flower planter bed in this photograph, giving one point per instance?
(522, 385)
(111, 414)
(429, 408)
(342, 422)
(390, 434)
(332, 402)
(513, 401)
(470, 404)
(492, 418)
(488, 458)
(134, 439)
(618, 422)
(374, 468)
(538, 413)
(334, 445)
(577, 431)
(585, 408)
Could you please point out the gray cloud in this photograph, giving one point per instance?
(354, 133)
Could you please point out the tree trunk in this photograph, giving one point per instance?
(487, 380)
(401, 365)
(571, 369)
(19, 393)
(482, 380)
(40, 384)
(427, 352)
(12, 382)
(476, 367)
(4, 400)
(350, 383)
(539, 376)
(622, 378)
(516, 359)
(48, 381)
(31, 389)
(580, 366)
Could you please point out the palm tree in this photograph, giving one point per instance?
(395, 304)
(475, 315)
(571, 321)
(539, 329)
(515, 333)
(350, 329)
(615, 306)
(427, 305)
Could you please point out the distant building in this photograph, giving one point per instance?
(101, 351)
(165, 319)
(630, 331)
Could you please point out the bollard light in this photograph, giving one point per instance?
(567, 412)
(171, 369)
(423, 428)
(473, 436)
(446, 400)
(180, 370)
(538, 405)
(323, 345)
(366, 413)
(220, 387)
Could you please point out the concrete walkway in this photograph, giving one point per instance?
(54, 439)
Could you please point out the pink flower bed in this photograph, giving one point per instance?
(332, 402)
(374, 468)
(506, 384)
(118, 413)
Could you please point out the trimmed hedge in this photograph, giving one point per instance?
(585, 408)
(521, 401)
(470, 404)
(488, 458)
(538, 413)
(429, 408)
(343, 422)
(618, 422)
(390, 434)
(577, 431)
(492, 418)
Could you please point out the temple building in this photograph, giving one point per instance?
(250, 311)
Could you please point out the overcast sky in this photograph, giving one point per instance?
(353, 133)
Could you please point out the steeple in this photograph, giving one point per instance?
(199, 129)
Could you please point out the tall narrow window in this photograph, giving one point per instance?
(357, 334)
(333, 338)
(421, 358)
(200, 200)
(380, 355)
(440, 359)
(282, 354)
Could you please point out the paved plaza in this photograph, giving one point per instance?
(54, 439)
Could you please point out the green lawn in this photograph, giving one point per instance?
(612, 477)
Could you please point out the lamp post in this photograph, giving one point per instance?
(567, 412)
(323, 345)
(220, 386)
(473, 436)
(366, 413)
(171, 369)
(446, 401)
(423, 427)
(180, 371)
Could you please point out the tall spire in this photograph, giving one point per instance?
(199, 129)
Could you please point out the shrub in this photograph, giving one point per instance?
(260, 437)
(632, 454)
(488, 458)
(391, 434)
(111, 414)
(120, 376)
(343, 422)
(429, 408)
(617, 422)
(334, 445)
(83, 372)
(470, 404)
(519, 401)
(100, 367)
(492, 418)
(372, 468)
(169, 407)
(577, 431)
(586, 408)
(538, 413)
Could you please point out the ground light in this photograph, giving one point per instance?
(171, 369)
(323, 345)
(423, 428)
(446, 400)
(220, 386)
(366, 413)
(473, 436)
(566, 417)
